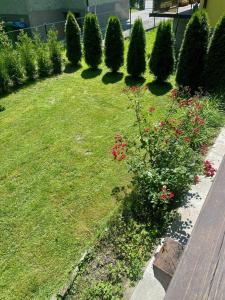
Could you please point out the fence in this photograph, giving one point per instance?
(59, 26)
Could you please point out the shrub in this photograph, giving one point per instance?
(4, 39)
(14, 66)
(4, 77)
(215, 62)
(26, 50)
(43, 57)
(114, 45)
(92, 41)
(162, 58)
(193, 52)
(165, 157)
(55, 50)
(73, 40)
(136, 63)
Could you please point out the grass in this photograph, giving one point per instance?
(57, 173)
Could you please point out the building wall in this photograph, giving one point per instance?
(39, 12)
(15, 7)
(74, 4)
(215, 9)
(37, 5)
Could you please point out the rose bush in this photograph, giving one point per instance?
(166, 157)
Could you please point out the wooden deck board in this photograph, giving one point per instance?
(200, 274)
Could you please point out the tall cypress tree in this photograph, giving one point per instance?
(114, 45)
(136, 63)
(73, 40)
(193, 52)
(162, 58)
(215, 62)
(92, 41)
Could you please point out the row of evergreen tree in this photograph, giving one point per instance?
(202, 57)
(201, 60)
(29, 59)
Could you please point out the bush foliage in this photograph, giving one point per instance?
(114, 45)
(4, 77)
(43, 57)
(92, 41)
(215, 62)
(14, 66)
(136, 63)
(26, 48)
(73, 40)
(162, 58)
(55, 52)
(193, 52)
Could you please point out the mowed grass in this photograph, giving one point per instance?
(57, 173)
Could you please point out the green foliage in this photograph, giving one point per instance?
(133, 3)
(215, 62)
(166, 157)
(162, 58)
(4, 77)
(4, 39)
(193, 52)
(114, 45)
(73, 40)
(43, 57)
(104, 291)
(26, 49)
(136, 63)
(14, 66)
(2, 108)
(92, 41)
(55, 50)
(141, 4)
(120, 253)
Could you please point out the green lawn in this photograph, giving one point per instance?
(57, 173)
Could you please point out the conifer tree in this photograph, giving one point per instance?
(73, 40)
(193, 52)
(114, 45)
(136, 63)
(92, 41)
(215, 61)
(162, 58)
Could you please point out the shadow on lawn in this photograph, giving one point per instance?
(110, 77)
(91, 73)
(158, 88)
(132, 81)
(71, 69)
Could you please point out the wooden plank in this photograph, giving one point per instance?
(200, 274)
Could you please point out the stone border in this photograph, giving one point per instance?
(149, 287)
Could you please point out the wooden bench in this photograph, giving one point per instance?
(200, 274)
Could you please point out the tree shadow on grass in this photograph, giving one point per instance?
(71, 69)
(111, 77)
(159, 88)
(91, 73)
(15, 89)
(132, 81)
